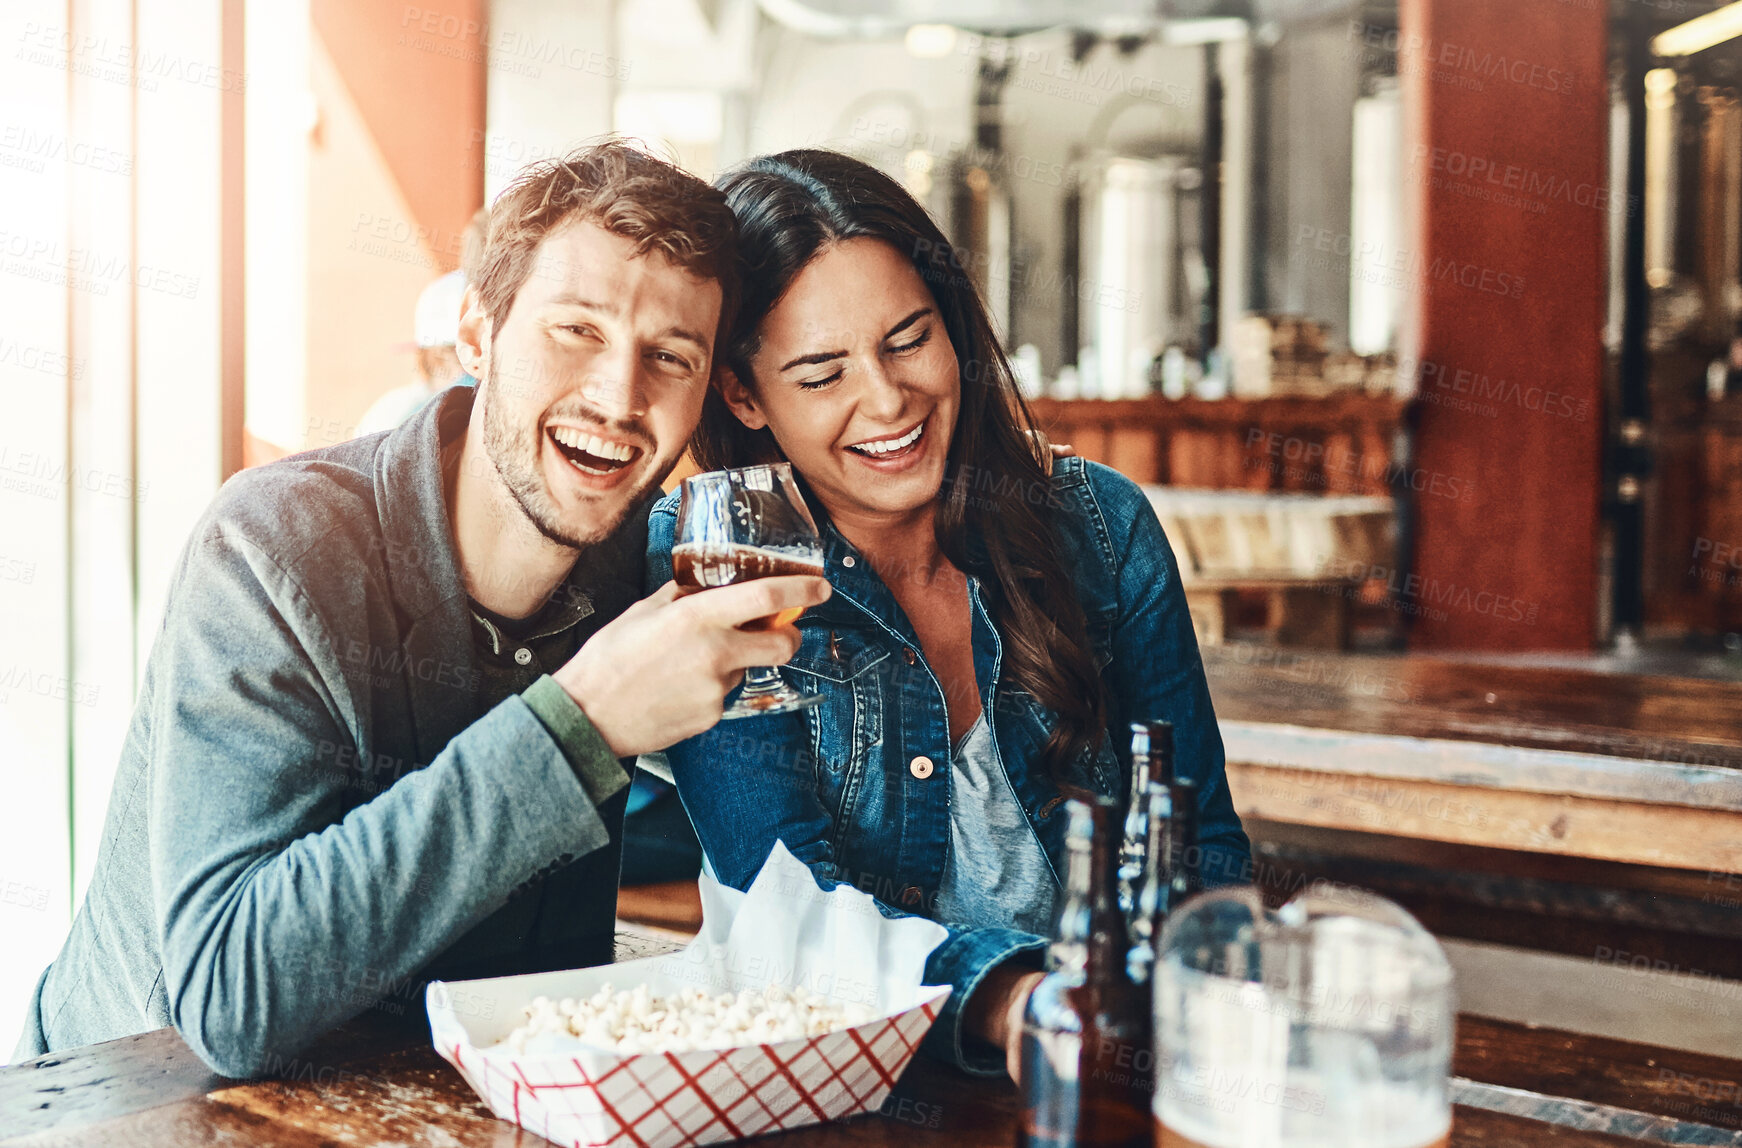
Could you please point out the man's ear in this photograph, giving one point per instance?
(473, 342)
(740, 399)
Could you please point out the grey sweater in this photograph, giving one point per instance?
(318, 805)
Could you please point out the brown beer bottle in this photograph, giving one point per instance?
(1154, 740)
(1144, 737)
(1155, 891)
(1158, 748)
(1187, 854)
(1087, 1059)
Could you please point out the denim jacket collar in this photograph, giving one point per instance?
(859, 591)
(857, 588)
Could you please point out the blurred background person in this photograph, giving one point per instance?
(438, 365)
(436, 327)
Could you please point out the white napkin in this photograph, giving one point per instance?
(786, 930)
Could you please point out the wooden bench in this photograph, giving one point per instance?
(1306, 556)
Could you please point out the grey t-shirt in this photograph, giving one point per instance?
(996, 875)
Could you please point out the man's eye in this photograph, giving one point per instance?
(815, 384)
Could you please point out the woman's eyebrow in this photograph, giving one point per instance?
(813, 358)
(816, 357)
(907, 322)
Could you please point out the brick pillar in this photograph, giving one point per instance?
(1506, 173)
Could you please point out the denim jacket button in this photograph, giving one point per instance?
(921, 767)
(907, 652)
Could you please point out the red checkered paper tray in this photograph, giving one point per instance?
(785, 931)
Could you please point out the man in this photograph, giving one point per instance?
(379, 738)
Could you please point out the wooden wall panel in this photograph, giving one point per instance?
(416, 73)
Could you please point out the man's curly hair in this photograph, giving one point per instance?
(656, 205)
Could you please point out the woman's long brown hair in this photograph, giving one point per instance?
(996, 507)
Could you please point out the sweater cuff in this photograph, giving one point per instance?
(595, 766)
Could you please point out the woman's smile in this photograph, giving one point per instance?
(889, 454)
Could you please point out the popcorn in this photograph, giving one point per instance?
(637, 1020)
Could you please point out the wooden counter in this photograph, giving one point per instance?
(1644, 770)
(1339, 444)
(373, 1082)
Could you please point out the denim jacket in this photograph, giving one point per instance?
(842, 782)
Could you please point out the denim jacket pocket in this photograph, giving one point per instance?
(845, 668)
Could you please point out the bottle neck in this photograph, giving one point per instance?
(1092, 939)
(1108, 939)
(1131, 843)
(1160, 767)
(1151, 762)
(1068, 950)
(1184, 844)
(1151, 759)
(1158, 868)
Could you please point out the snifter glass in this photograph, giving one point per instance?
(1327, 1024)
(737, 525)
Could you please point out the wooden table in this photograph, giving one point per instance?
(371, 1082)
(1610, 767)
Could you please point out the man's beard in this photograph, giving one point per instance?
(514, 452)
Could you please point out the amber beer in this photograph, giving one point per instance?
(703, 565)
(1086, 1053)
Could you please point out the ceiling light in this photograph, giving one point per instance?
(1209, 30)
(1701, 32)
(931, 41)
(1660, 88)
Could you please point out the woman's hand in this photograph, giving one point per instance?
(994, 1012)
(1013, 1015)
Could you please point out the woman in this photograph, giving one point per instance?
(994, 629)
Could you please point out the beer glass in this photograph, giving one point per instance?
(740, 524)
(1327, 1024)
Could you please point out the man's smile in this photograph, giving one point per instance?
(589, 452)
